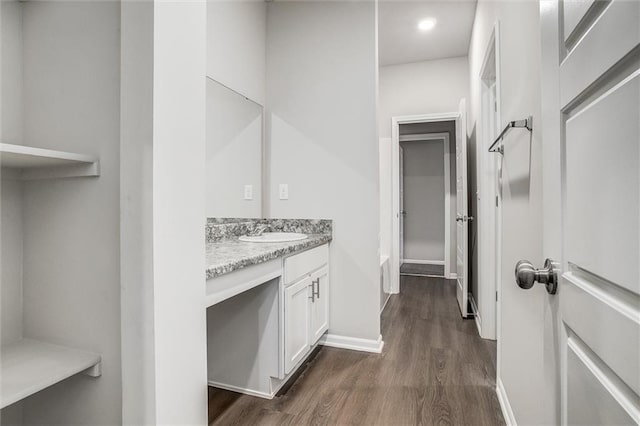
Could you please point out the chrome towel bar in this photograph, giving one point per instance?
(527, 123)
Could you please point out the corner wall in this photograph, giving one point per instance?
(427, 87)
(321, 132)
(520, 355)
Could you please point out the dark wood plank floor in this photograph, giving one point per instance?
(421, 269)
(434, 369)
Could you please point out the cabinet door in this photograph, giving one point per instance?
(296, 319)
(320, 305)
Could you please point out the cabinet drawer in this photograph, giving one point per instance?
(304, 263)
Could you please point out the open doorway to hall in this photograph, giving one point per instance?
(430, 199)
(427, 199)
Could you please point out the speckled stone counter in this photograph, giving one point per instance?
(225, 253)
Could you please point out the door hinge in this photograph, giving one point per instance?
(496, 296)
(496, 201)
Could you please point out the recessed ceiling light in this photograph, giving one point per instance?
(427, 24)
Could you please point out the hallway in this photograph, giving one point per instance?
(434, 369)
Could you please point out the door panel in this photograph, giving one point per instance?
(602, 170)
(462, 223)
(588, 60)
(591, 163)
(296, 313)
(589, 382)
(574, 10)
(320, 304)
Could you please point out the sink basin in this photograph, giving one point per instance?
(274, 237)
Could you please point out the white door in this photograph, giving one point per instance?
(296, 322)
(591, 187)
(403, 212)
(319, 304)
(462, 218)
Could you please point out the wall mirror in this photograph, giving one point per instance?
(234, 153)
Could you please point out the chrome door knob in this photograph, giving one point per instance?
(527, 275)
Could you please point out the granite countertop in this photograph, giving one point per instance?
(225, 253)
(229, 255)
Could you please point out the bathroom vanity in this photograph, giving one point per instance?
(267, 302)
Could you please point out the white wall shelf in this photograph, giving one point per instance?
(28, 163)
(29, 366)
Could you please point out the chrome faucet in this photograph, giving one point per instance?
(258, 231)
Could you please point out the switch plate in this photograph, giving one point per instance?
(248, 192)
(284, 191)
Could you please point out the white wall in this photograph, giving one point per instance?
(427, 87)
(179, 211)
(71, 273)
(11, 71)
(163, 212)
(520, 355)
(234, 153)
(321, 79)
(424, 227)
(236, 34)
(136, 212)
(11, 191)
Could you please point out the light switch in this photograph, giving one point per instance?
(248, 192)
(284, 191)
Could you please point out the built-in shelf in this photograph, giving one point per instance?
(28, 163)
(29, 366)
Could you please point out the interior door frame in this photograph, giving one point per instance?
(395, 185)
(489, 200)
(426, 137)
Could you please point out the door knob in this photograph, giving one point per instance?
(527, 275)
(464, 219)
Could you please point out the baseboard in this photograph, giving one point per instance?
(476, 313)
(386, 300)
(423, 262)
(353, 343)
(240, 390)
(505, 406)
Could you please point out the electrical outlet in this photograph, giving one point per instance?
(248, 192)
(284, 191)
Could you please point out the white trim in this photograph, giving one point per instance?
(240, 390)
(505, 406)
(489, 234)
(424, 262)
(353, 343)
(395, 189)
(386, 300)
(476, 313)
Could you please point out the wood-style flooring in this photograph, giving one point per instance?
(421, 269)
(434, 369)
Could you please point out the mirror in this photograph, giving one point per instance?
(234, 154)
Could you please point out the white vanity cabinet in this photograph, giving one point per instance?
(264, 320)
(319, 315)
(306, 303)
(297, 339)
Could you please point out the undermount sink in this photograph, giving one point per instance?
(273, 237)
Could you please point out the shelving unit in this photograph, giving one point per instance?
(28, 163)
(29, 366)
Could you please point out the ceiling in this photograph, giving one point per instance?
(400, 41)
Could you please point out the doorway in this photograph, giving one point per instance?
(454, 124)
(484, 290)
(425, 199)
